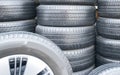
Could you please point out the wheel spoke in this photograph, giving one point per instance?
(34, 69)
(4, 67)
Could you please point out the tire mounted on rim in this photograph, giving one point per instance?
(33, 46)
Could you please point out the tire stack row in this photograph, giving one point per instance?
(108, 27)
(17, 15)
(70, 24)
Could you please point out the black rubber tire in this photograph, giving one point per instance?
(69, 38)
(25, 25)
(109, 8)
(78, 54)
(85, 2)
(65, 15)
(108, 2)
(13, 43)
(13, 10)
(84, 72)
(100, 60)
(109, 48)
(109, 28)
(107, 69)
(82, 64)
(81, 59)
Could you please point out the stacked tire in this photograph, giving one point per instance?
(17, 15)
(70, 24)
(107, 69)
(108, 27)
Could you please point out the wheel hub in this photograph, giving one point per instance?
(24, 65)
